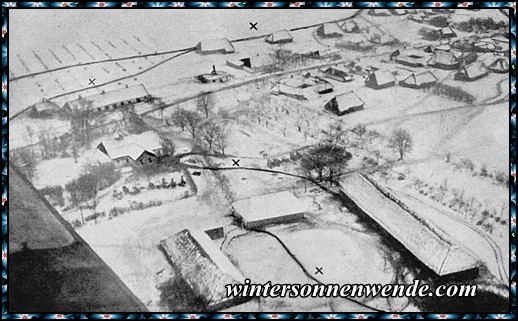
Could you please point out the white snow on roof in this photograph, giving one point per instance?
(216, 44)
(348, 100)
(269, 206)
(133, 145)
(281, 35)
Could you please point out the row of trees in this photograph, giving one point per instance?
(330, 158)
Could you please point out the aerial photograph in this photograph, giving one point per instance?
(158, 156)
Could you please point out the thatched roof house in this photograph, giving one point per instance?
(419, 80)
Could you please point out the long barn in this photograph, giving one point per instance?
(426, 242)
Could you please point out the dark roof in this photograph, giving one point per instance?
(52, 269)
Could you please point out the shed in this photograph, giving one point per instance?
(204, 268)
(380, 79)
(411, 60)
(345, 103)
(281, 36)
(448, 32)
(275, 208)
(384, 39)
(443, 60)
(419, 80)
(214, 46)
(329, 30)
(471, 72)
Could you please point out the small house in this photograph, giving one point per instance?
(380, 79)
(344, 104)
(499, 65)
(419, 80)
(44, 108)
(329, 30)
(338, 74)
(259, 63)
(323, 87)
(275, 208)
(350, 26)
(471, 72)
(139, 149)
(443, 60)
(281, 36)
(383, 40)
(214, 46)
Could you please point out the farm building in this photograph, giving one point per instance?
(133, 149)
(203, 267)
(255, 63)
(110, 100)
(411, 60)
(288, 91)
(384, 39)
(214, 46)
(419, 80)
(44, 108)
(329, 30)
(281, 36)
(350, 26)
(338, 73)
(442, 47)
(498, 65)
(380, 79)
(443, 60)
(471, 72)
(214, 76)
(344, 104)
(398, 12)
(275, 208)
(419, 17)
(53, 268)
(379, 12)
(432, 247)
(299, 81)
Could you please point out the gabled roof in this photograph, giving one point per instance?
(500, 64)
(443, 57)
(202, 265)
(330, 28)
(448, 31)
(349, 25)
(287, 90)
(421, 78)
(132, 146)
(348, 100)
(45, 105)
(221, 44)
(474, 70)
(378, 12)
(279, 36)
(382, 77)
(425, 241)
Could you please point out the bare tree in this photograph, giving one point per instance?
(208, 132)
(360, 130)
(179, 119)
(221, 137)
(192, 121)
(206, 102)
(401, 142)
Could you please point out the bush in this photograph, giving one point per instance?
(55, 193)
(439, 21)
(466, 163)
(501, 177)
(483, 170)
(451, 92)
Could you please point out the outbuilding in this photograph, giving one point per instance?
(345, 103)
(380, 79)
(214, 46)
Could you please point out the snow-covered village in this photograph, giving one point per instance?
(190, 149)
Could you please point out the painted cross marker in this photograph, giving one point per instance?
(236, 162)
(91, 81)
(319, 270)
(253, 26)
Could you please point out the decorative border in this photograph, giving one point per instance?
(511, 6)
